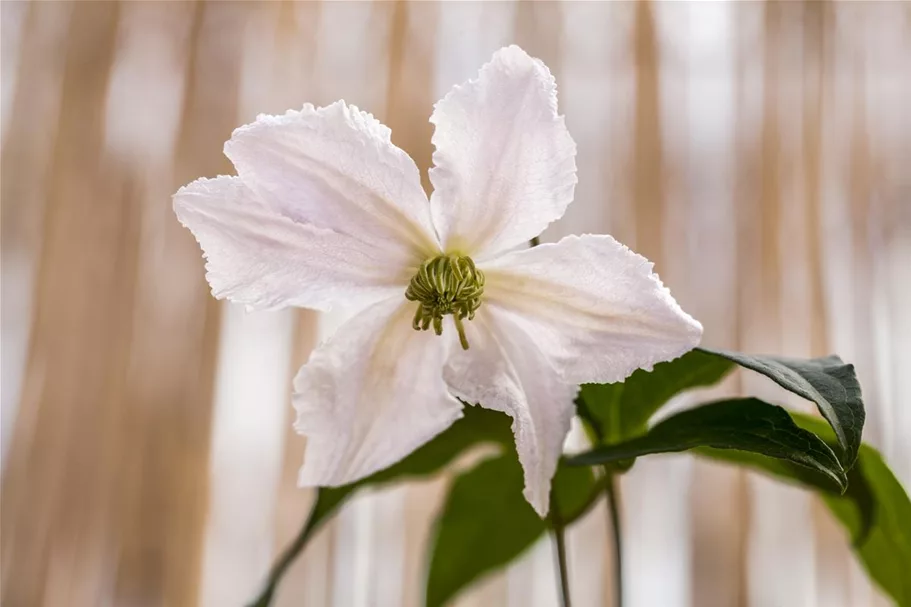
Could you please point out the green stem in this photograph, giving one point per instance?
(278, 570)
(290, 554)
(563, 578)
(613, 508)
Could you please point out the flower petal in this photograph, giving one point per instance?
(504, 370)
(593, 306)
(335, 167)
(371, 395)
(505, 165)
(257, 257)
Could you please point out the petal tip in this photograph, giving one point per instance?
(540, 504)
(515, 53)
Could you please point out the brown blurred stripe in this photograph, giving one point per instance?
(58, 481)
(817, 21)
(647, 171)
(173, 359)
(410, 89)
(27, 153)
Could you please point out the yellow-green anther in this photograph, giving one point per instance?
(448, 284)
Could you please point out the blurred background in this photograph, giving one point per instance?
(759, 153)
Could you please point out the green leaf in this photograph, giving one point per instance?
(620, 411)
(486, 521)
(475, 427)
(828, 382)
(746, 424)
(875, 510)
(886, 551)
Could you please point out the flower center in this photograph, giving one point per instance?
(448, 284)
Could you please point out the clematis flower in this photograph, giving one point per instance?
(450, 302)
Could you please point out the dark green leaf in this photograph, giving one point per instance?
(620, 411)
(875, 509)
(486, 521)
(746, 424)
(475, 427)
(828, 382)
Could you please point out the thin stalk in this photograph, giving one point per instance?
(319, 514)
(281, 566)
(563, 578)
(613, 509)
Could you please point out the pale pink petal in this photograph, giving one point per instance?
(504, 370)
(594, 308)
(371, 395)
(335, 167)
(504, 162)
(264, 260)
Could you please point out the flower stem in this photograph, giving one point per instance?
(563, 577)
(283, 563)
(613, 508)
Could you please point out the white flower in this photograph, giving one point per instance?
(326, 210)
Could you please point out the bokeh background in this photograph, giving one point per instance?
(759, 153)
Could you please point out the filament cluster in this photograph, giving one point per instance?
(447, 284)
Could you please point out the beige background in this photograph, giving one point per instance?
(758, 153)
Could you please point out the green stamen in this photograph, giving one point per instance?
(448, 284)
